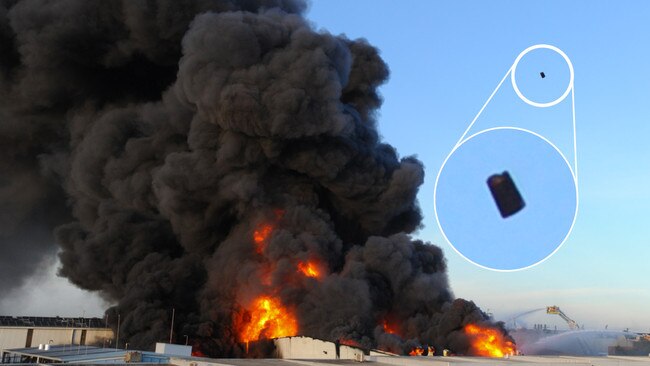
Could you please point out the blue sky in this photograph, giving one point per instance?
(469, 216)
(446, 58)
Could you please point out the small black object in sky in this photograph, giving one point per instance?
(542, 74)
(505, 194)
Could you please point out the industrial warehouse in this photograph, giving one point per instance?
(313, 354)
(26, 331)
(46, 340)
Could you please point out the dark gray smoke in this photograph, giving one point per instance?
(154, 138)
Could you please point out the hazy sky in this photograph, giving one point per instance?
(46, 294)
(446, 58)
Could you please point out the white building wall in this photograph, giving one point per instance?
(174, 349)
(16, 337)
(45, 335)
(195, 362)
(98, 335)
(12, 337)
(305, 348)
(351, 353)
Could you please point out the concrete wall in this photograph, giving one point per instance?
(196, 362)
(351, 353)
(174, 349)
(305, 348)
(12, 337)
(16, 337)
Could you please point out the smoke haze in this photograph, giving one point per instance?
(151, 141)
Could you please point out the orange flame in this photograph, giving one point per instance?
(198, 353)
(260, 235)
(388, 328)
(349, 342)
(488, 342)
(417, 351)
(309, 269)
(268, 319)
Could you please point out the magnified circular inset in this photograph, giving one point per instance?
(506, 199)
(542, 75)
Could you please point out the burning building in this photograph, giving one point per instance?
(221, 158)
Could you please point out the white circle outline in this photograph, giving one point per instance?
(435, 193)
(514, 79)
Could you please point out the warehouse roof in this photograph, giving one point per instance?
(82, 354)
(43, 321)
(96, 355)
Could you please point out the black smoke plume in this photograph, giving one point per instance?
(154, 138)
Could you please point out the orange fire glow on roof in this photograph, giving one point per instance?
(417, 351)
(268, 319)
(488, 342)
(349, 342)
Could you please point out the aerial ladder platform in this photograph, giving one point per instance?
(556, 310)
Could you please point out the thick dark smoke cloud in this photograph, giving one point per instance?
(155, 137)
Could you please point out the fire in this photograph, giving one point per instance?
(349, 342)
(309, 269)
(263, 232)
(196, 348)
(488, 342)
(417, 351)
(198, 353)
(388, 328)
(260, 235)
(268, 319)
